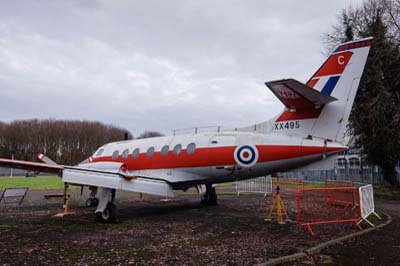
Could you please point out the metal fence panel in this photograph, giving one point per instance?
(367, 204)
(262, 185)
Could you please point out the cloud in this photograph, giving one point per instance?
(156, 65)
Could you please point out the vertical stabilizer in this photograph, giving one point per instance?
(337, 79)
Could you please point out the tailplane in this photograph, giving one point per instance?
(321, 107)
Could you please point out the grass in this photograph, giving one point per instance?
(315, 185)
(228, 184)
(42, 182)
(387, 192)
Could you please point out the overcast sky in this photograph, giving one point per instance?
(157, 65)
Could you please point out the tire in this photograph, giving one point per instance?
(204, 200)
(88, 202)
(95, 202)
(97, 217)
(92, 202)
(209, 198)
(109, 215)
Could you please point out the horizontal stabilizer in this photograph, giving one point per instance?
(296, 95)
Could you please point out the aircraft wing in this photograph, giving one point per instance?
(112, 175)
(296, 95)
(32, 166)
(117, 179)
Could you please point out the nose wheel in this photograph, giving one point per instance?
(108, 215)
(106, 211)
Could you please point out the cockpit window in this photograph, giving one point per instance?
(99, 152)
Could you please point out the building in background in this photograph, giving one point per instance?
(350, 165)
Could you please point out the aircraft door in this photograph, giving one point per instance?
(221, 156)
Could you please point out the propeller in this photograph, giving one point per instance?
(46, 159)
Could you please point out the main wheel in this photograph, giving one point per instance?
(210, 197)
(109, 215)
(204, 200)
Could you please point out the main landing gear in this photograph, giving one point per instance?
(106, 211)
(210, 197)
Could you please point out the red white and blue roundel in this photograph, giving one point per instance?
(246, 155)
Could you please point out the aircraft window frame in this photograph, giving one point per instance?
(177, 149)
(191, 148)
(125, 154)
(115, 155)
(150, 152)
(99, 152)
(164, 150)
(135, 153)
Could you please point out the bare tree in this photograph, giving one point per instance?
(66, 141)
(150, 134)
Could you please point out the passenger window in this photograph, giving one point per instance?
(99, 153)
(164, 150)
(115, 155)
(177, 149)
(135, 153)
(150, 152)
(125, 154)
(191, 148)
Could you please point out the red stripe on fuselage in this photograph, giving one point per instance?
(204, 157)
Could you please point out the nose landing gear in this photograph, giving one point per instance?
(106, 211)
(108, 215)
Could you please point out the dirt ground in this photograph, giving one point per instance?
(177, 232)
(379, 247)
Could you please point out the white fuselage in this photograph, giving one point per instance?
(214, 157)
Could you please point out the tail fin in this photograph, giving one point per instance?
(324, 113)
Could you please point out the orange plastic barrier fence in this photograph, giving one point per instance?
(317, 206)
(338, 183)
(288, 186)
